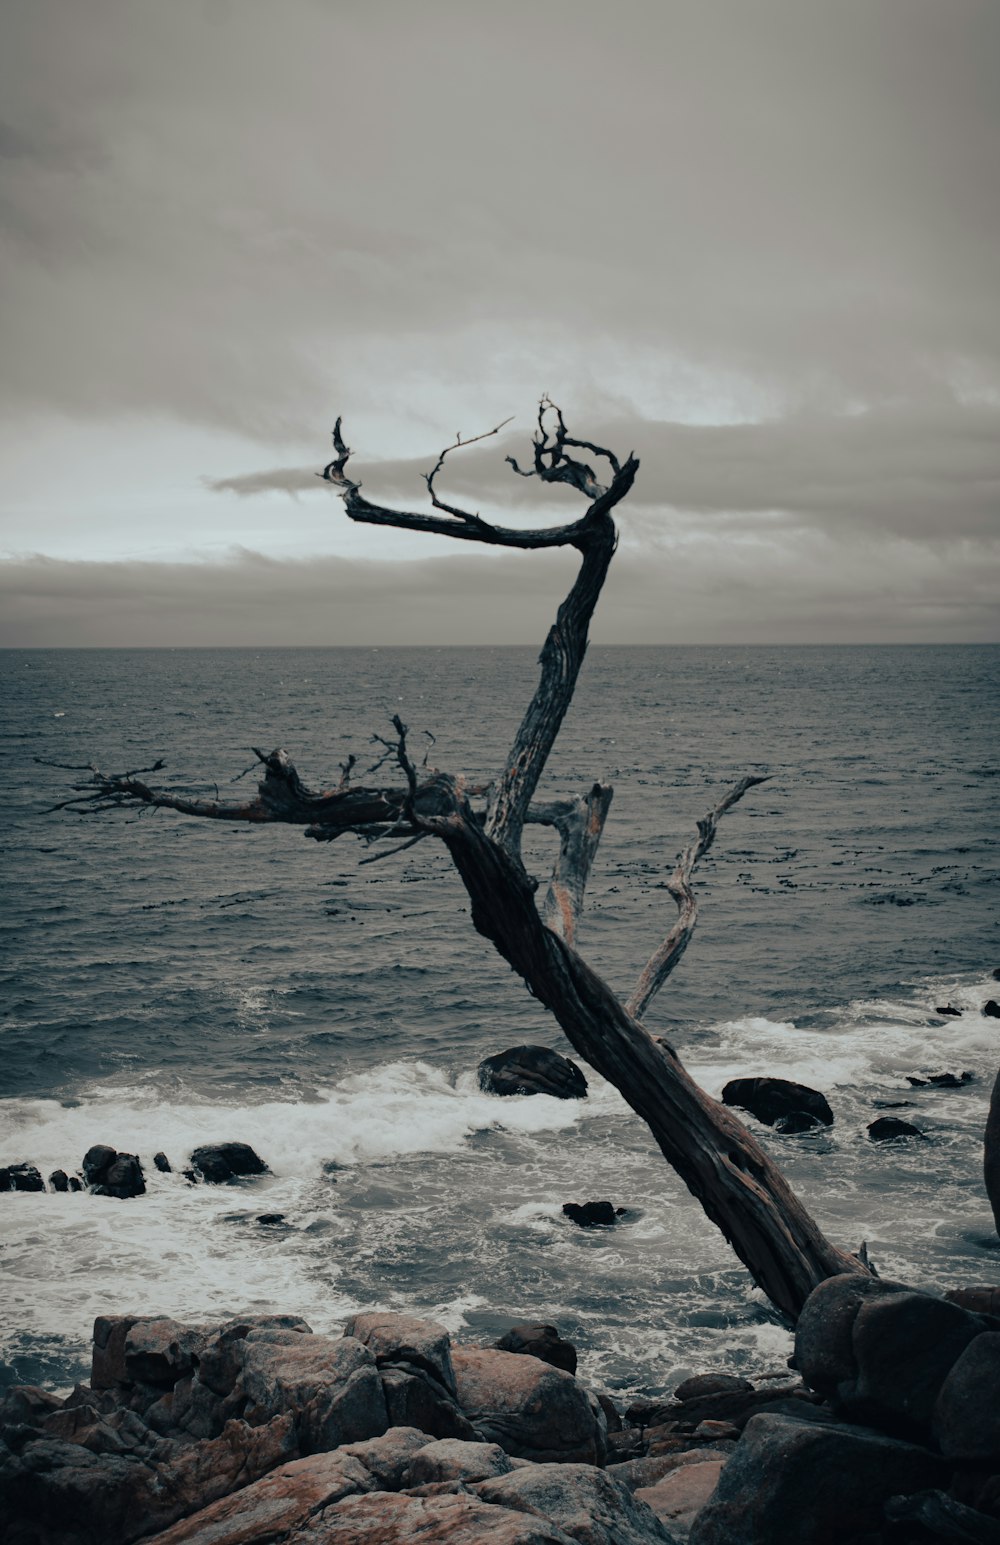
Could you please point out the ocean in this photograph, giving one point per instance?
(170, 981)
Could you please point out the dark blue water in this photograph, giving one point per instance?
(170, 981)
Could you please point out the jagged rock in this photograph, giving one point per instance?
(543, 1342)
(162, 1163)
(387, 1518)
(451, 1459)
(20, 1177)
(813, 1483)
(331, 1386)
(413, 1357)
(712, 1384)
(532, 1070)
(587, 1504)
(108, 1359)
(413, 1400)
(218, 1163)
(220, 1361)
(388, 1457)
(273, 1507)
(161, 1351)
(967, 1415)
(991, 1008)
(770, 1098)
(593, 1214)
(612, 1415)
(676, 1498)
(531, 1409)
(885, 1129)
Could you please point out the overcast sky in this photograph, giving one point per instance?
(755, 240)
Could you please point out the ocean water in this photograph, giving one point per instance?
(170, 981)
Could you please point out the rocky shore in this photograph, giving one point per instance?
(259, 1432)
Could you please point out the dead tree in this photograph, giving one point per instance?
(739, 1187)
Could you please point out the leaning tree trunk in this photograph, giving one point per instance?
(739, 1187)
(991, 1153)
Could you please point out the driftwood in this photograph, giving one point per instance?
(739, 1187)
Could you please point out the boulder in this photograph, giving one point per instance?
(274, 1506)
(108, 1359)
(940, 1080)
(587, 1504)
(220, 1361)
(592, 1214)
(161, 1351)
(991, 1008)
(824, 1332)
(331, 1387)
(647, 1469)
(59, 1180)
(543, 1342)
(531, 1409)
(904, 1346)
(388, 1457)
(798, 1121)
(162, 1163)
(219, 1163)
(413, 1400)
(532, 1070)
(413, 1357)
(939, 1517)
(885, 1129)
(387, 1518)
(948, 1010)
(813, 1483)
(109, 1173)
(712, 1384)
(985, 1300)
(677, 1497)
(770, 1098)
(20, 1177)
(451, 1459)
(967, 1415)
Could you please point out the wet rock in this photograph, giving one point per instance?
(679, 1496)
(531, 1409)
(541, 1341)
(387, 1518)
(271, 1219)
(811, 1483)
(109, 1173)
(75, 1184)
(96, 1160)
(161, 1351)
(20, 1177)
(532, 1070)
(991, 1008)
(941, 1080)
(219, 1163)
(893, 1104)
(388, 1457)
(712, 1384)
(593, 1214)
(798, 1121)
(586, 1504)
(770, 1098)
(885, 1129)
(162, 1163)
(967, 1415)
(59, 1180)
(453, 1460)
(948, 1010)
(331, 1387)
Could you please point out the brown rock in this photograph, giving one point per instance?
(395, 1339)
(386, 1518)
(648, 1470)
(677, 1497)
(453, 1460)
(388, 1457)
(712, 1384)
(220, 1361)
(331, 1386)
(531, 1409)
(161, 1351)
(587, 1504)
(541, 1341)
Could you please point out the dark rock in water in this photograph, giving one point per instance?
(110, 1173)
(949, 1010)
(541, 1341)
(532, 1070)
(271, 1218)
(797, 1121)
(996, 973)
(770, 1098)
(592, 1214)
(991, 1008)
(75, 1184)
(95, 1161)
(893, 1104)
(162, 1163)
(59, 1180)
(221, 1162)
(712, 1384)
(941, 1080)
(21, 1177)
(886, 1128)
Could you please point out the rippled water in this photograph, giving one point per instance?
(171, 981)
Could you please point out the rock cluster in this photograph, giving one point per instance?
(106, 1172)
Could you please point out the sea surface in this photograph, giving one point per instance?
(169, 981)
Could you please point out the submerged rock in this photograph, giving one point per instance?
(940, 1080)
(218, 1163)
(948, 1010)
(109, 1173)
(162, 1163)
(593, 1214)
(885, 1128)
(771, 1098)
(991, 1008)
(532, 1070)
(20, 1177)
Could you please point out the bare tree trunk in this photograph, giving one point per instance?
(991, 1153)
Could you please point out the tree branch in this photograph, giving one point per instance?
(579, 823)
(665, 958)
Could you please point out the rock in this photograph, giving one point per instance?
(592, 1214)
(991, 1008)
(681, 1494)
(650, 1468)
(797, 1121)
(222, 1162)
(386, 1518)
(531, 1409)
(274, 1506)
(649, 1413)
(732, 1407)
(269, 1219)
(109, 1173)
(220, 1361)
(612, 1415)
(940, 1517)
(967, 1414)
(452, 1460)
(108, 1361)
(949, 1011)
(824, 1332)
(587, 1504)
(59, 1180)
(885, 1129)
(532, 1070)
(979, 1300)
(941, 1080)
(543, 1342)
(712, 1384)
(162, 1163)
(331, 1387)
(388, 1457)
(413, 1357)
(770, 1098)
(413, 1400)
(161, 1351)
(20, 1177)
(96, 1160)
(810, 1483)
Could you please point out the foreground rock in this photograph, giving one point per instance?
(413, 1358)
(771, 1099)
(531, 1409)
(532, 1070)
(541, 1341)
(587, 1504)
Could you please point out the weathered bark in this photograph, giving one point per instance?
(740, 1188)
(991, 1153)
